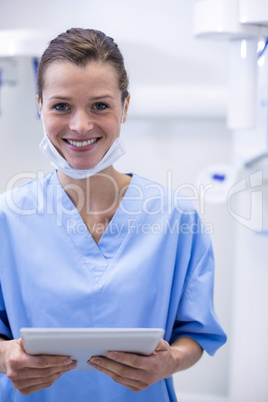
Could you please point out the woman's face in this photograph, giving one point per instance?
(81, 110)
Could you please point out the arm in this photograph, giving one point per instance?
(188, 352)
(30, 373)
(139, 372)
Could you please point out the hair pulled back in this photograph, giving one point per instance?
(82, 46)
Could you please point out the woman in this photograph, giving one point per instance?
(100, 248)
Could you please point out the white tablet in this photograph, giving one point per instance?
(82, 343)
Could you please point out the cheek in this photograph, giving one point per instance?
(54, 127)
(112, 125)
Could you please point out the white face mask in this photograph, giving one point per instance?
(115, 152)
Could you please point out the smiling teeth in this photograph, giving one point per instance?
(82, 143)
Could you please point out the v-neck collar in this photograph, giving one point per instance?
(97, 256)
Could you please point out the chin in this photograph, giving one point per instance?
(81, 165)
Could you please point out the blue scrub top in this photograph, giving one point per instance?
(153, 267)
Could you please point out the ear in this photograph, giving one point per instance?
(126, 108)
(39, 103)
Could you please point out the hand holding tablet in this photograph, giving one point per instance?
(83, 343)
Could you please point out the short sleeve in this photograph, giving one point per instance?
(196, 317)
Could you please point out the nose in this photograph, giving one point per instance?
(81, 122)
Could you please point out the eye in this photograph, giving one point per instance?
(100, 106)
(61, 107)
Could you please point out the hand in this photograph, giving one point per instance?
(139, 372)
(31, 373)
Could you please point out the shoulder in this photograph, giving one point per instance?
(160, 196)
(25, 197)
(172, 210)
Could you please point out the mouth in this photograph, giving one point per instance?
(80, 144)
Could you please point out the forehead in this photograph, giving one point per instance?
(62, 75)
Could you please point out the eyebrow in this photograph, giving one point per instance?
(67, 98)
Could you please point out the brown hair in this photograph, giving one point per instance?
(81, 46)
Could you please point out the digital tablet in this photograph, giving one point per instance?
(82, 343)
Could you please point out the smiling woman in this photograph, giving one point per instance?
(88, 246)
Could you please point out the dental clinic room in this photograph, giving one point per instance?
(136, 132)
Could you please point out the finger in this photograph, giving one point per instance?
(123, 370)
(28, 373)
(162, 345)
(138, 361)
(27, 385)
(120, 374)
(26, 390)
(43, 361)
(133, 360)
(19, 342)
(40, 382)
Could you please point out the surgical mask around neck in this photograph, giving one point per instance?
(115, 152)
(57, 161)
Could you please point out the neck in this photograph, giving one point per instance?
(100, 192)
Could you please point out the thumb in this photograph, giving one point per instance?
(19, 342)
(161, 345)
